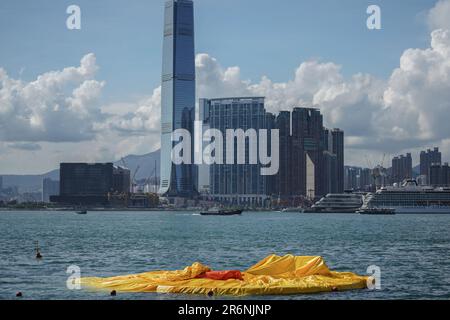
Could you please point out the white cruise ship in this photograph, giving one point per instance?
(337, 203)
(410, 198)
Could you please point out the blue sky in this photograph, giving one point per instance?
(287, 50)
(264, 37)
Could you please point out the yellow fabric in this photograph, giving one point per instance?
(273, 275)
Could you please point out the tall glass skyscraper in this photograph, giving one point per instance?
(177, 94)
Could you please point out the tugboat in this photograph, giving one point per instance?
(221, 212)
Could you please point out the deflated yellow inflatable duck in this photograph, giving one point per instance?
(274, 275)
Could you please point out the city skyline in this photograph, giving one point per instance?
(74, 121)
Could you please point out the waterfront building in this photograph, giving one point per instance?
(89, 184)
(439, 175)
(271, 188)
(351, 178)
(338, 149)
(49, 188)
(427, 159)
(177, 95)
(365, 180)
(308, 134)
(401, 168)
(311, 156)
(121, 180)
(204, 169)
(289, 169)
(240, 184)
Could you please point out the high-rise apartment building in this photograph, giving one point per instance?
(338, 149)
(308, 132)
(427, 159)
(401, 168)
(236, 183)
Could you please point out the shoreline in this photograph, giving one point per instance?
(117, 210)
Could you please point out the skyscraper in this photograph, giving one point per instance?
(427, 159)
(311, 156)
(237, 183)
(307, 128)
(338, 150)
(401, 168)
(283, 180)
(177, 94)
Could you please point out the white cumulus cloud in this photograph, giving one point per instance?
(439, 15)
(58, 106)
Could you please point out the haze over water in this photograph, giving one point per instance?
(411, 250)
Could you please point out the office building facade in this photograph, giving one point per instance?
(90, 184)
(177, 95)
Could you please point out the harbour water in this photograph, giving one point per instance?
(412, 251)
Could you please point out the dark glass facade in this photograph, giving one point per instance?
(177, 95)
(86, 184)
(439, 175)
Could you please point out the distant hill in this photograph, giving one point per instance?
(33, 183)
(29, 183)
(145, 162)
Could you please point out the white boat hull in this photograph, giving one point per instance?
(421, 210)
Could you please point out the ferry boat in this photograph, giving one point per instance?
(410, 198)
(221, 212)
(337, 203)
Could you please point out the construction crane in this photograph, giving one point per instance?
(123, 162)
(133, 179)
(148, 181)
(378, 172)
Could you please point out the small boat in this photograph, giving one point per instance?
(376, 211)
(297, 209)
(221, 212)
(82, 212)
